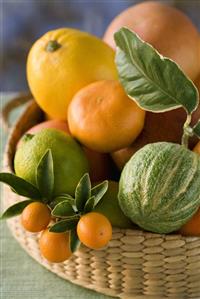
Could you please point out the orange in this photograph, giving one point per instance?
(63, 61)
(55, 246)
(196, 149)
(192, 227)
(35, 217)
(166, 28)
(94, 230)
(103, 118)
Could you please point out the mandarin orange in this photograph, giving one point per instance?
(103, 118)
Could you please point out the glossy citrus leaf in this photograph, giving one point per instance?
(98, 192)
(89, 205)
(61, 198)
(74, 240)
(154, 82)
(16, 209)
(63, 209)
(82, 192)
(63, 225)
(45, 175)
(20, 186)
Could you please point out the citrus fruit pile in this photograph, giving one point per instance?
(98, 104)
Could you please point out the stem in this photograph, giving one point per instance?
(27, 137)
(187, 131)
(52, 46)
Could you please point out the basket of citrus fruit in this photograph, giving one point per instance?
(102, 169)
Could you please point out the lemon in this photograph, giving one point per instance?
(63, 61)
(69, 159)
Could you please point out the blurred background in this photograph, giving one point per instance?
(24, 21)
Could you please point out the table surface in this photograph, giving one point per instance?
(20, 276)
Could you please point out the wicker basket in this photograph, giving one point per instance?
(135, 264)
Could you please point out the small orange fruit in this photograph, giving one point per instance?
(94, 230)
(55, 246)
(35, 217)
(192, 227)
(103, 118)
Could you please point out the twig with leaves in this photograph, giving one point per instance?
(66, 209)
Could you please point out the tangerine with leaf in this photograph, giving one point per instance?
(169, 37)
(77, 215)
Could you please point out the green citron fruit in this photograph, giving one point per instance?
(69, 159)
(160, 187)
(109, 207)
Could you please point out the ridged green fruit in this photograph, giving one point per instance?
(70, 162)
(160, 187)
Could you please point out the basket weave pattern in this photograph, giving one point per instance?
(135, 264)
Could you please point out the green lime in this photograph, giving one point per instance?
(110, 208)
(69, 159)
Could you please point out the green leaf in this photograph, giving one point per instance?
(89, 206)
(156, 83)
(16, 209)
(63, 225)
(74, 240)
(20, 186)
(63, 209)
(196, 129)
(60, 199)
(82, 192)
(45, 175)
(99, 191)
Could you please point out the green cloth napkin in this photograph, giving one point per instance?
(20, 276)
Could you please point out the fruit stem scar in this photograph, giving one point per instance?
(52, 46)
(27, 137)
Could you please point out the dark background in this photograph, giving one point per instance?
(22, 22)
